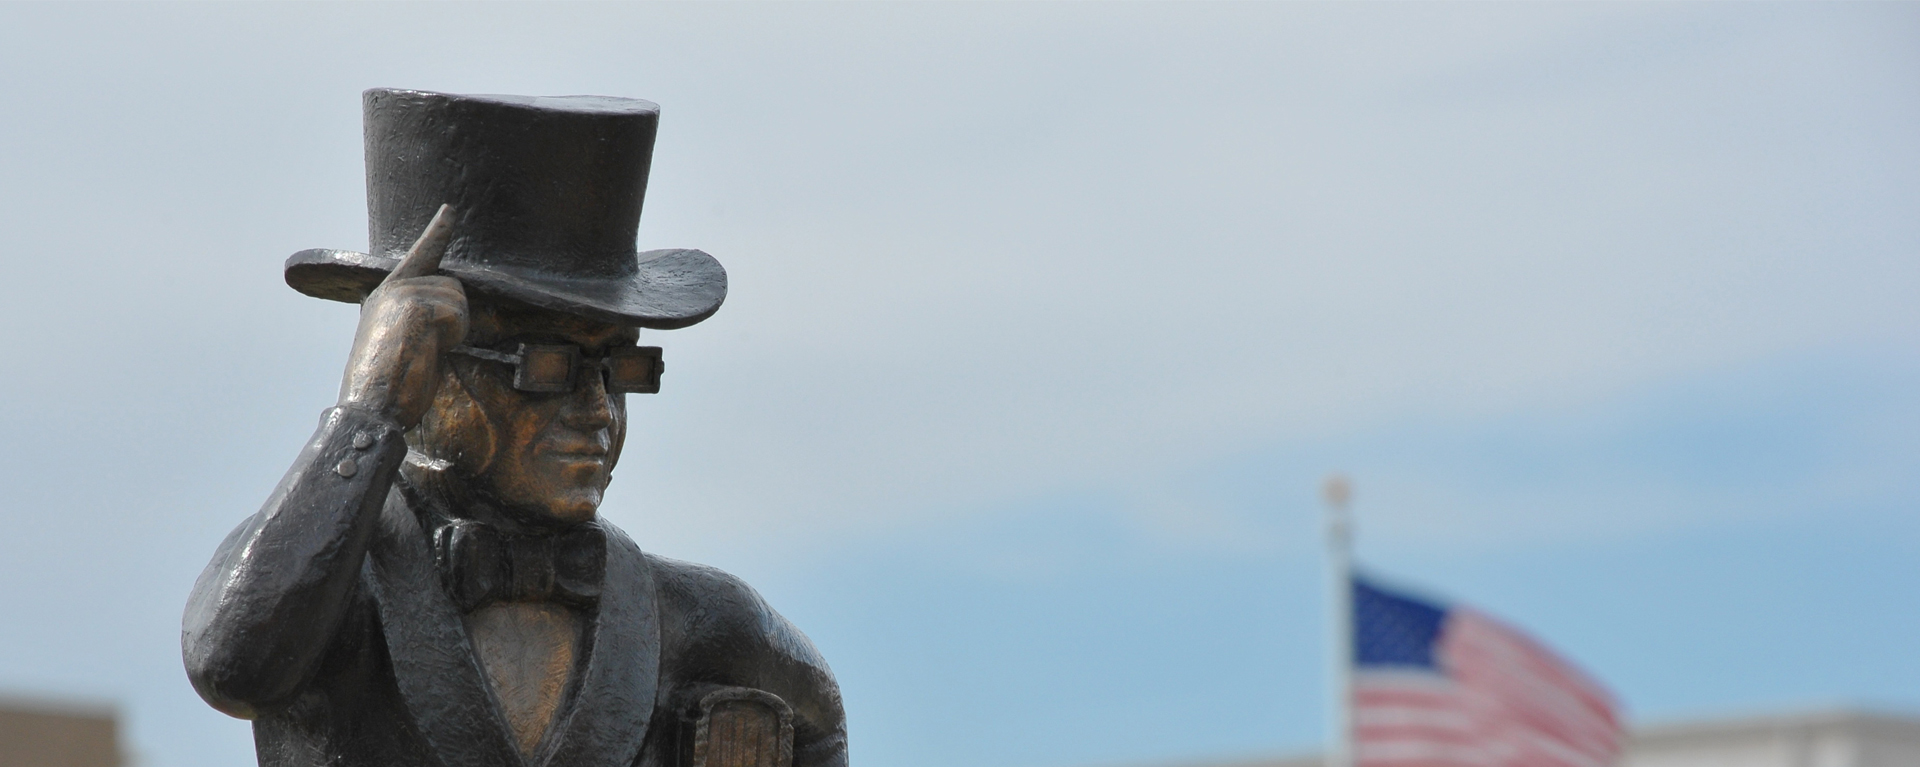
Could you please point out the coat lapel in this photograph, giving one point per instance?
(606, 723)
(433, 662)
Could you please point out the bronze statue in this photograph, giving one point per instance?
(429, 585)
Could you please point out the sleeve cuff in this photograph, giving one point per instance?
(352, 441)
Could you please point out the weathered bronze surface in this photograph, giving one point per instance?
(527, 649)
(430, 584)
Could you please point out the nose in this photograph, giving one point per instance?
(589, 408)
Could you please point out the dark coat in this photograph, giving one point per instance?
(323, 619)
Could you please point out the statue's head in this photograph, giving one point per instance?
(536, 456)
(547, 195)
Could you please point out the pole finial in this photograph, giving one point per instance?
(1337, 490)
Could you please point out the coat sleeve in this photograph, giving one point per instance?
(266, 608)
(799, 675)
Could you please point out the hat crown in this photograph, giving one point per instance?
(547, 194)
(542, 185)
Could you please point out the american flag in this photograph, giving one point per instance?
(1448, 686)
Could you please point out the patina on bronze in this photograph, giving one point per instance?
(430, 584)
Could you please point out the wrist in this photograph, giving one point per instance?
(373, 410)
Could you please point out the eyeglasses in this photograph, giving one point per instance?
(554, 368)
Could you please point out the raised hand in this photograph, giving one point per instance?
(406, 325)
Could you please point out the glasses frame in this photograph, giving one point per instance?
(615, 367)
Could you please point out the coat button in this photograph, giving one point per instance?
(346, 467)
(362, 441)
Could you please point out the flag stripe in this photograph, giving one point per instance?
(1492, 697)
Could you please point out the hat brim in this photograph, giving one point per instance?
(671, 289)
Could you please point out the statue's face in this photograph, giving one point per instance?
(540, 457)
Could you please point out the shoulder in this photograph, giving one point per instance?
(708, 605)
(717, 625)
(698, 588)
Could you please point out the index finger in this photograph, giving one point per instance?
(424, 257)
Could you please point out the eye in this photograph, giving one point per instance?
(546, 368)
(633, 369)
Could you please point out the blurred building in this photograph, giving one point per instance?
(43, 734)
(1843, 738)
(1826, 739)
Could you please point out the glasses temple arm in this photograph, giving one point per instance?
(486, 354)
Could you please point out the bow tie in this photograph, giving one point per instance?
(479, 564)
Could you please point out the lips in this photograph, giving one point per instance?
(578, 447)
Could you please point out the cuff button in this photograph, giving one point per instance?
(362, 441)
(346, 467)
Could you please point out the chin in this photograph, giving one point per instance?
(565, 491)
(575, 514)
(550, 499)
(572, 506)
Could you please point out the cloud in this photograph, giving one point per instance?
(1791, 440)
(1215, 248)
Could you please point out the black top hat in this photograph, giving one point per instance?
(547, 193)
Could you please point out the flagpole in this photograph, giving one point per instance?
(1340, 601)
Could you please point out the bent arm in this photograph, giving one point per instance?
(796, 672)
(717, 631)
(266, 608)
(769, 653)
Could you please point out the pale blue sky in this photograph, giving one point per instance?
(1046, 322)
